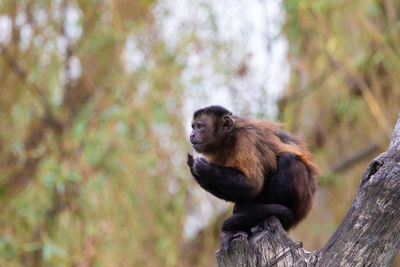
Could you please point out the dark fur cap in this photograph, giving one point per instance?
(217, 111)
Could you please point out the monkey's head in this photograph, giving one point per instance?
(211, 127)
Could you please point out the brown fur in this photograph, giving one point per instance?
(253, 147)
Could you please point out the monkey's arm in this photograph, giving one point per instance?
(223, 182)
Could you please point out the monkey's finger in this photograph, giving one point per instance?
(190, 160)
(224, 243)
(203, 160)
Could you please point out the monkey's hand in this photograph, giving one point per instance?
(190, 163)
(198, 165)
(190, 160)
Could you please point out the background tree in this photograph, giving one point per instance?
(83, 145)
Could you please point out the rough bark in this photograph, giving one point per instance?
(369, 235)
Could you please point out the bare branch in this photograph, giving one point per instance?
(22, 75)
(355, 157)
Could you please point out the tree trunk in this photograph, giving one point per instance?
(369, 235)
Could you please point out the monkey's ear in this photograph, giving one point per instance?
(227, 123)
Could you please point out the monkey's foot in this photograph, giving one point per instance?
(227, 237)
(258, 231)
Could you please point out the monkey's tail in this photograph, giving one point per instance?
(245, 220)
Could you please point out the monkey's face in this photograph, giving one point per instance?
(201, 136)
(209, 133)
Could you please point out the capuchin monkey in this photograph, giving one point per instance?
(265, 171)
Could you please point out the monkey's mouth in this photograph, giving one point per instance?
(197, 146)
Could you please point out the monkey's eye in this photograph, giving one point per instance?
(197, 125)
(200, 126)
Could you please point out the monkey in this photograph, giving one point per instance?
(264, 170)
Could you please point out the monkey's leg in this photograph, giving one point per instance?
(242, 222)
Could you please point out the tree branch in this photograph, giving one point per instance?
(369, 235)
(355, 157)
(271, 247)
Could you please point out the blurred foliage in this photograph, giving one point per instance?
(89, 150)
(92, 146)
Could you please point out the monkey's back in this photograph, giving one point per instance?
(289, 174)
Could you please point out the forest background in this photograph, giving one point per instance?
(95, 106)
